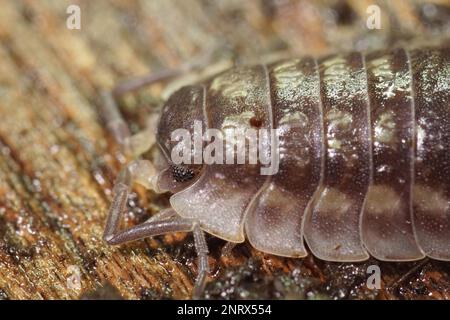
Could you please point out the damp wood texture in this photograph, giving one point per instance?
(58, 162)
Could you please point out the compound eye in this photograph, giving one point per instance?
(181, 174)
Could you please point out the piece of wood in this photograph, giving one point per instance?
(58, 163)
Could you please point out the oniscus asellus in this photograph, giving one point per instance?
(364, 159)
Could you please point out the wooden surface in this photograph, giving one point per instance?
(58, 163)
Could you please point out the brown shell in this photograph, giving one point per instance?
(364, 156)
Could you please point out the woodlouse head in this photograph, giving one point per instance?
(182, 110)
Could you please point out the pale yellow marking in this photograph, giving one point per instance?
(335, 69)
(240, 121)
(278, 198)
(297, 118)
(385, 129)
(232, 85)
(334, 203)
(381, 67)
(288, 76)
(339, 121)
(383, 200)
(389, 82)
(431, 201)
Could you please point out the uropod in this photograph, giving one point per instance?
(363, 149)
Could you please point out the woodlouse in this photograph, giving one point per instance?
(364, 149)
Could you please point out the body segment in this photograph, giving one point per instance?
(387, 228)
(274, 222)
(431, 190)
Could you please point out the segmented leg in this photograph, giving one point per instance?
(139, 143)
(154, 228)
(114, 122)
(167, 221)
(163, 215)
(151, 229)
(418, 266)
(227, 249)
(203, 265)
(141, 171)
(137, 83)
(133, 145)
